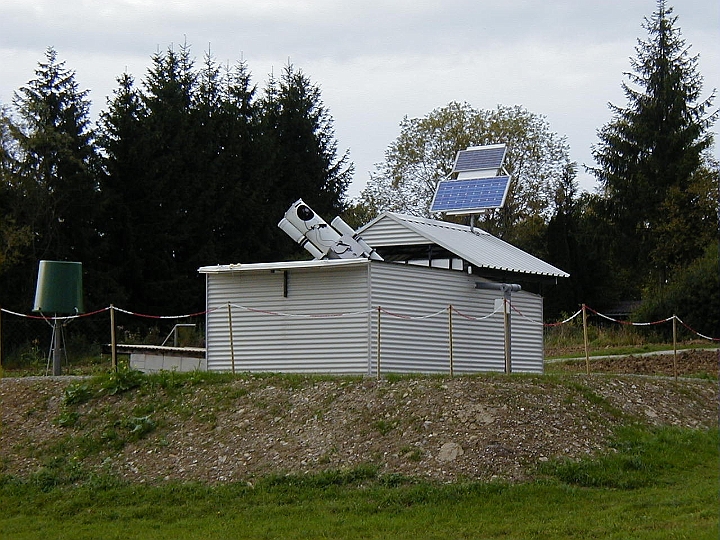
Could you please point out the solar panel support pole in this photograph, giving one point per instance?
(507, 327)
(507, 289)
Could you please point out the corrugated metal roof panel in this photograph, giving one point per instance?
(476, 246)
(389, 232)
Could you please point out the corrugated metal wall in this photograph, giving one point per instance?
(409, 343)
(527, 332)
(266, 341)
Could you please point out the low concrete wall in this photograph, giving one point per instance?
(151, 363)
(151, 358)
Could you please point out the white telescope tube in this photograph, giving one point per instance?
(342, 227)
(312, 226)
(300, 238)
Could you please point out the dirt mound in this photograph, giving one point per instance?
(475, 427)
(691, 362)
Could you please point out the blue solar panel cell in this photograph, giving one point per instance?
(470, 195)
(480, 158)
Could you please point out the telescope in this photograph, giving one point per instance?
(323, 241)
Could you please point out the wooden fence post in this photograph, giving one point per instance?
(377, 367)
(675, 371)
(113, 340)
(450, 329)
(507, 327)
(232, 344)
(585, 340)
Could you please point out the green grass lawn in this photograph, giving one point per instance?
(657, 484)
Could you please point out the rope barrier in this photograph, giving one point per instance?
(303, 315)
(42, 317)
(362, 312)
(607, 317)
(548, 325)
(471, 318)
(630, 323)
(570, 318)
(695, 331)
(126, 312)
(414, 318)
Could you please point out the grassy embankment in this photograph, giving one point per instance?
(659, 484)
(656, 483)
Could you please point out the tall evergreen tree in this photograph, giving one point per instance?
(172, 166)
(236, 215)
(57, 162)
(226, 119)
(152, 164)
(49, 176)
(123, 190)
(300, 156)
(651, 150)
(208, 139)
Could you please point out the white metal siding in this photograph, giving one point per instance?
(388, 232)
(412, 344)
(267, 338)
(527, 332)
(272, 332)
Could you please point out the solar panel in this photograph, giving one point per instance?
(480, 158)
(470, 196)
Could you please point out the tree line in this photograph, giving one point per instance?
(648, 233)
(194, 166)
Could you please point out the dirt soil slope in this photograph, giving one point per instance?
(471, 427)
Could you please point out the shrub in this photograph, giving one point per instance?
(693, 294)
(76, 394)
(122, 380)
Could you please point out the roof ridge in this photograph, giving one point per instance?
(443, 224)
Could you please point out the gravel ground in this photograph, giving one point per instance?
(475, 427)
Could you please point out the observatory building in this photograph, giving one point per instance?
(402, 294)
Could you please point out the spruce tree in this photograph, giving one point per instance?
(300, 156)
(49, 176)
(652, 149)
(172, 165)
(236, 214)
(124, 192)
(57, 163)
(152, 164)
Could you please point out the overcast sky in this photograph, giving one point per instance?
(375, 61)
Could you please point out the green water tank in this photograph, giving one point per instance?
(59, 288)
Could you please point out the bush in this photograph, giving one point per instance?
(693, 294)
(122, 380)
(77, 393)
